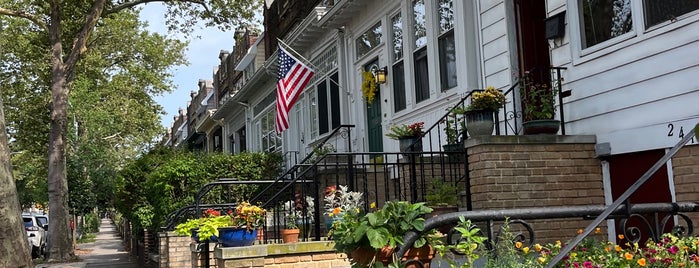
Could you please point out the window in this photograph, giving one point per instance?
(368, 40)
(328, 104)
(397, 72)
(270, 141)
(447, 45)
(241, 137)
(422, 83)
(656, 11)
(419, 23)
(604, 20)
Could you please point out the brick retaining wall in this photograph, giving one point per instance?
(536, 171)
(316, 254)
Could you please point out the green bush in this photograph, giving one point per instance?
(91, 223)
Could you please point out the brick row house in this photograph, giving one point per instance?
(627, 69)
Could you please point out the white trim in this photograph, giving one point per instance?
(608, 199)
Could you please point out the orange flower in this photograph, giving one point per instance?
(598, 230)
(580, 231)
(518, 244)
(642, 262)
(628, 256)
(621, 236)
(336, 211)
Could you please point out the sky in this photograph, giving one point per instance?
(202, 54)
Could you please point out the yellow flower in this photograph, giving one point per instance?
(558, 243)
(607, 249)
(617, 248)
(372, 205)
(537, 247)
(598, 230)
(573, 255)
(518, 244)
(642, 262)
(628, 256)
(541, 260)
(525, 250)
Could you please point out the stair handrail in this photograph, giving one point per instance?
(303, 161)
(623, 198)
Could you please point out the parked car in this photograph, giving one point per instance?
(36, 232)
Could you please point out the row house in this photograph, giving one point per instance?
(626, 70)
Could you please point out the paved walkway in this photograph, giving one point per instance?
(106, 251)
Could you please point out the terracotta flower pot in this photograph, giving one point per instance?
(290, 235)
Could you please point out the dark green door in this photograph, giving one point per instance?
(373, 111)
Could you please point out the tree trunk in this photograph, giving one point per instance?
(60, 244)
(13, 238)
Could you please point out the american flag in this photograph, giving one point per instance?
(293, 76)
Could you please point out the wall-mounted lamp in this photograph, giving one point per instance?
(380, 74)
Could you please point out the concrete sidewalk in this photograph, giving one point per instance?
(106, 251)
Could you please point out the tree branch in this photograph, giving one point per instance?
(130, 4)
(78, 48)
(24, 15)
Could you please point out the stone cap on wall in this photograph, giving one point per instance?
(530, 139)
(273, 249)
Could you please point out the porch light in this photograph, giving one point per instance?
(380, 74)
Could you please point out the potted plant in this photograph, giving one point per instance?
(442, 198)
(204, 228)
(302, 207)
(242, 226)
(539, 106)
(408, 136)
(479, 113)
(455, 129)
(290, 234)
(338, 200)
(371, 239)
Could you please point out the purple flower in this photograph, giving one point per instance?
(587, 264)
(673, 249)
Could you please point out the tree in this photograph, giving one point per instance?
(68, 26)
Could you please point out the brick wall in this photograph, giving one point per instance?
(685, 167)
(536, 171)
(317, 254)
(175, 251)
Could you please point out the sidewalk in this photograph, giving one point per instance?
(106, 251)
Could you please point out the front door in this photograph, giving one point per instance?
(373, 114)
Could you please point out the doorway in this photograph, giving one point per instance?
(373, 116)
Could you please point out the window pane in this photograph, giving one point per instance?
(446, 15)
(447, 60)
(659, 11)
(314, 114)
(420, 34)
(323, 108)
(422, 83)
(398, 86)
(370, 39)
(397, 23)
(604, 20)
(335, 100)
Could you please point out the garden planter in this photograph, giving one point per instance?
(405, 143)
(480, 122)
(290, 235)
(423, 255)
(236, 237)
(545, 126)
